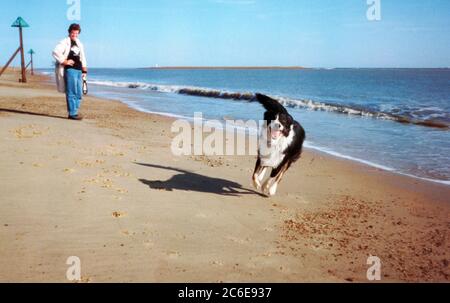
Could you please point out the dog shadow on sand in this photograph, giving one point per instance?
(189, 181)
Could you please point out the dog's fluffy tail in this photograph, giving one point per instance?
(270, 104)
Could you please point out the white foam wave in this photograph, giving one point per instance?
(207, 92)
(288, 102)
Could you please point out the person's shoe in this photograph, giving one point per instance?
(77, 117)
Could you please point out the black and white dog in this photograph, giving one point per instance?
(280, 144)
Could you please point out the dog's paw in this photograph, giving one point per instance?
(270, 188)
(273, 189)
(266, 186)
(256, 183)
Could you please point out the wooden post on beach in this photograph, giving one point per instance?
(31, 52)
(9, 61)
(20, 23)
(22, 58)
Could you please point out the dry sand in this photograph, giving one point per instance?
(109, 191)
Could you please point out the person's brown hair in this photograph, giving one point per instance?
(74, 27)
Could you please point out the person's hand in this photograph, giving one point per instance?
(84, 77)
(69, 62)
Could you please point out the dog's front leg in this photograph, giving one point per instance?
(270, 187)
(257, 179)
(258, 175)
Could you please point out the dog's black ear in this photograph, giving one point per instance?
(270, 104)
(290, 120)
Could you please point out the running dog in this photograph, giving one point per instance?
(280, 144)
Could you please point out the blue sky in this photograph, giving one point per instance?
(320, 33)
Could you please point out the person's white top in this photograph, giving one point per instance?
(60, 53)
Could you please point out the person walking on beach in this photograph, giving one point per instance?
(71, 70)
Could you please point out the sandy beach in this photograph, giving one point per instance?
(109, 191)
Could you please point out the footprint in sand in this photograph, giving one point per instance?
(29, 131)
(107, 183)
(109, 151)
(173, 254)
(217, 263)
(89, 164)
(238, 240)
(91, 180)
(104, 182)
(121, 190)
(209, 161)
(132, 234)
(118, 214)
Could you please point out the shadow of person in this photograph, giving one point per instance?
(16, 111)
(190, 181)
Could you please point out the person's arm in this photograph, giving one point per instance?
(83, 60)
(58, 53)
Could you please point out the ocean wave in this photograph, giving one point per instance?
(46, 73)
(434, 117)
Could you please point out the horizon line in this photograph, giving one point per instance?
(247, 67)
(225, 67)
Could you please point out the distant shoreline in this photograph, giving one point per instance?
(230, 67)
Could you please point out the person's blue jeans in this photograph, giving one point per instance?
(74, 90)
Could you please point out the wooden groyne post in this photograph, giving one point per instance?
(31, 52)
(20, 23)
